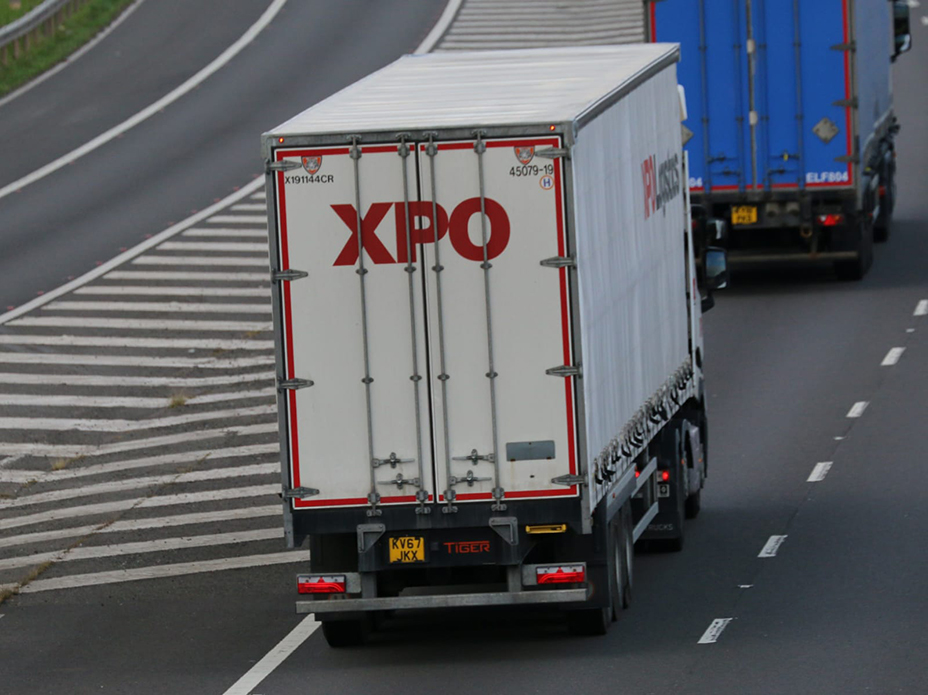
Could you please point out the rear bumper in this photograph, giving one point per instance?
(502, 598)
(737, 259)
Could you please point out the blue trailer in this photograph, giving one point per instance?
(790, 106)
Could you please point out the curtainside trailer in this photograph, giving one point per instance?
(487, 319)
(792, 121)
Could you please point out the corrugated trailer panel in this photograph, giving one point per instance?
(630, 255)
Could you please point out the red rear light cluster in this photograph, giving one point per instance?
(831, 220)
(319, 584)
(665, 476)
(561, 574)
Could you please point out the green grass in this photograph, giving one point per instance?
(8, 15)
(73, 33)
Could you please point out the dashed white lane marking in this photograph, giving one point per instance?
(125, 401)
(182, 498)
(101, 425)
(921, 309)
(771, 546)
(819, 472)
(72, 450)
(161, 307)
(714, 631)
(112, 290)
(143, 324)
(133, 360)
(181, 458)
(249, 207)
(123, 526)
(143, 381)
(238, 219)
(127, 342)
(226, 232)
(222, 246)
(909, 330)
(924, 21)
(206, 276)
(204, 261)
(892, 357)
(117, 576)
(274, 658)
(140, 547)
(858, 409)
(152, 109)
(150, 481)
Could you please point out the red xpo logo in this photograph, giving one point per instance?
(422, 230)
(649, 177)
(661, 183)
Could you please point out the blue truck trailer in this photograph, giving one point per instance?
(790, 106)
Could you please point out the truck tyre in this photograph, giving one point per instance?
(694, 501)
(857, 269)
(618, 559)
(629, 564)
(589, 622)
(881, 228)
(345, 633)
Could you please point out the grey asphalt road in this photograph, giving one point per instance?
(840, 609)
(199, 149)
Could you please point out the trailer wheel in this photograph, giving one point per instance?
(857, 269)
(345, 633)
(882, 226)
(629, 566)
(589, 622)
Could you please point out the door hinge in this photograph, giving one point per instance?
(566, 370)
(293, 384)
(850, 46)
(300, 492)
(288, 275)
(553, 153)
(559, 262)
(282, 165)
(569, 480)
(845, 103)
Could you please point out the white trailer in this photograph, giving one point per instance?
(488, 331)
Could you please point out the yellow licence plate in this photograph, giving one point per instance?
(407, 549)
(744, 214)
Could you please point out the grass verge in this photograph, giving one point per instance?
(82, 26)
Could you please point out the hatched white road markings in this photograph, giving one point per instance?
(921, 309)
(127, 342)
(111, 290)
(142, 381)
(133, 360)
(238, 219)
(207, 276)
(204, 261)
(771, 546)
(714, 631)
(249, 207)
(88, 425)
(125, 401)
(819, 472)
(162, 307)
(274, 658)
(858, 409)
(224, 246)
(143, 324)
(226, 232)
(892, 357)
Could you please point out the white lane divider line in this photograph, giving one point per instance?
(819, 472)
(134, 360)
(111, 290)
(143, 324)
(184, 568)
(204, 261)
(227, 232)
(274, 658)
(206, 276)
(238, 219)
(143, 524)
(133, 381)
(160, 307)
(152, 109)
(771, 546)
(892, 357)
(714, 631)
(858, 409)
(921, 309)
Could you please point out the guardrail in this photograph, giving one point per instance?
(20, 36)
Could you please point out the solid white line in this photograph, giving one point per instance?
(32, 84)
(59, 401)
(48, 424)
(274, 658)
(245, 246)
(249, 207)
(771, 546)
(438, 31)
(143, 324)
(139, 547)
(201, 276)
(142, 524)
(238, 219)
(132, 381)
(72, 450)
(203, 261)
(133, 360)
(819, 472)
(226, 232)
(268, 491)
(921, 309)
(892, 357)
(858, 409)
(126, 342)
(150, 110)
(714, 631)
(110, 290)
(161, 307)
(159, 571)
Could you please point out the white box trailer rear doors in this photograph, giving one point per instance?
(434, 338)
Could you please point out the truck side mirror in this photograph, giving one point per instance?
(901, 28)
(716, 268)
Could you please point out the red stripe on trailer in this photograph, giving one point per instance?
(847, 91)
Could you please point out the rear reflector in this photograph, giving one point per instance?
(561, 574)
(318, 584)
(546, 528)
(830, 220)
(665, 476)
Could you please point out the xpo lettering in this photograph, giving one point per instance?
(422, 230)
